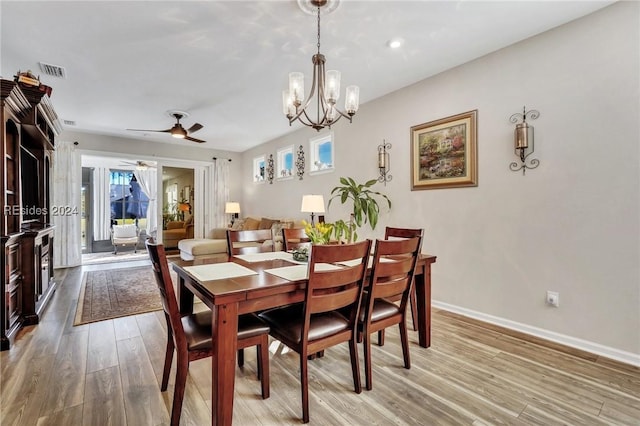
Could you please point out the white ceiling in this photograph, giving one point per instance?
(227, 62)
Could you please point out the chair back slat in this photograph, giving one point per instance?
(249, 241)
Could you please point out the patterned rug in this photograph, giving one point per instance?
(117, 293)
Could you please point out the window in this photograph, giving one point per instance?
(258, 169)
(321, 154)
(128, 202)
(285, 163)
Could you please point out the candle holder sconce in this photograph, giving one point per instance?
(383, 163)
(524, 140)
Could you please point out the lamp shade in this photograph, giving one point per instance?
(184, 207)
(232, 207)
(312, 204)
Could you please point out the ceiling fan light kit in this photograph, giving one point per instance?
(325, 86)
(177, 131)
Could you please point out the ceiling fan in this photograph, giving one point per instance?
(140, 165)
(177, 131)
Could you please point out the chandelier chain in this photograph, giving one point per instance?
(318, 30)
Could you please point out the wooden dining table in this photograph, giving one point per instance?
(229, 297)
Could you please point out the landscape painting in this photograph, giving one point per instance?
(443, 152)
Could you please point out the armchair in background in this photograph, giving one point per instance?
(124, 235)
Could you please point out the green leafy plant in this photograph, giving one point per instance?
(365, 206)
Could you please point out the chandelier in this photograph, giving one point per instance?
(325, 88)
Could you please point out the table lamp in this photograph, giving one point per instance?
(312, 204)
(232, 208)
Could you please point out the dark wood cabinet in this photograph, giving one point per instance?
(28, 129)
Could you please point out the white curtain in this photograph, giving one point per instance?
(148, 180)
(101, 204)
(67, 183)
(219, 192)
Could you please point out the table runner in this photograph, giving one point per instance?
(262, 257)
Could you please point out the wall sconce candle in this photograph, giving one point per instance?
(523, 140)
(383, 162)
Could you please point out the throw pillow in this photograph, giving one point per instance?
(238, 225)
(266, 223)
(251, 223)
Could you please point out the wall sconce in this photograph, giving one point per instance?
(312, 204)
(232, 208)
(383, 162)
(523, 140)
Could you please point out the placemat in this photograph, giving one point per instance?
(219, 271)
(298, 272)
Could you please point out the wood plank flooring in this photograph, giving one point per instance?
(108, 373)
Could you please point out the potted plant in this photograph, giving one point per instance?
(365, 207)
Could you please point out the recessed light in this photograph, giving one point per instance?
(395, 43)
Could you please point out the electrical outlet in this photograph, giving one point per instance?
(553, 298)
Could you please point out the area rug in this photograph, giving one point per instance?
(115, 293)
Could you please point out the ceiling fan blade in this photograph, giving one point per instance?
(195, 128)
(146, 130)
(189, 138)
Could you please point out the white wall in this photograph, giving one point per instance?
(571, 225)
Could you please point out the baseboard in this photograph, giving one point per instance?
(584, 345)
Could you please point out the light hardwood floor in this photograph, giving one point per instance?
(108, 373)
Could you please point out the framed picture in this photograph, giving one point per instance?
(444, 152)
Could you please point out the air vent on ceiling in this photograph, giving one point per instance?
(69, 122)
(53, 70)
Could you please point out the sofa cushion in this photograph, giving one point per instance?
(238, 225)
(201, 246)
(266, 223)
(251, 223)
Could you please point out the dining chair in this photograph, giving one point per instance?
(295, 238)
(190, 335)
(329, 314)
(249, 241)
(391, 233)
(392, 271)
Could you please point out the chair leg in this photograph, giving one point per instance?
(178, 393)
(168, 359)
(404, 338)
(381, 337)
(263, 365)
(367, 361)
(240, 357)
(414, 308)
(355, 365)
(304, 384)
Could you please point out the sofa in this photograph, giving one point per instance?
(214, 246)
(176, 231)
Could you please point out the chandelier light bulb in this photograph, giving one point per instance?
(296, 87)
(352, 101)
(333, 86)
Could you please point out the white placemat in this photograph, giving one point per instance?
(261, 257)
(298, 272)
(219, 271)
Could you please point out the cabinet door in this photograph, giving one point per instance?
(13, 290)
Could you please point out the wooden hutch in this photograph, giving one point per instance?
(29, 127)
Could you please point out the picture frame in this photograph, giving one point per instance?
(444, 152)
